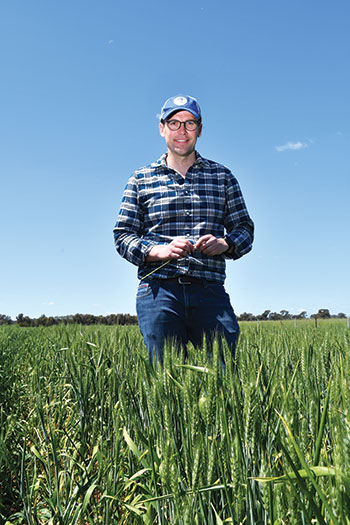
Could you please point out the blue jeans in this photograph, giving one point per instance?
(168, 310)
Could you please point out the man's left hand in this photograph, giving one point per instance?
(211, 245)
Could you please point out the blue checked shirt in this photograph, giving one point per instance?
(159, 204)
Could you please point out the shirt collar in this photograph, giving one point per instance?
(161, 162)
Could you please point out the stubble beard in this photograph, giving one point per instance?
(177, 151)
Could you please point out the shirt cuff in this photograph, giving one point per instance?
(146, 247)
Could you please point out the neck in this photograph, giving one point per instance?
(180, 164)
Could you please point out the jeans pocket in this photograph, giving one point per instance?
(143, 290)
(217, 289)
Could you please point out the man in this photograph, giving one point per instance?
(171, 225)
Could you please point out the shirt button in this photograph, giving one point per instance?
(188, 213)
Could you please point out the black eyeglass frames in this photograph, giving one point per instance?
(190, 125)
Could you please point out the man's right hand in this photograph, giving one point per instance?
(176, 249)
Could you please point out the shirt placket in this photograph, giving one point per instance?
(184, 190)
(188, 218)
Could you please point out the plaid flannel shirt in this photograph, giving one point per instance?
(159, 204)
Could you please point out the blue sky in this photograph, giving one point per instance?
(82, 84)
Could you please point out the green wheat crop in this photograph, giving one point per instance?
(91, 433)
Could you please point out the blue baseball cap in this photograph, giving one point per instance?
(180, 103)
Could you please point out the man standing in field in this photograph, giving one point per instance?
(181, 218)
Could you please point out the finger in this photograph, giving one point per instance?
(208, 246)
(178, 251)
(209, 250)
(175, 255)
(201, 241)
(181, 242)
(212, 247)
(187, 246)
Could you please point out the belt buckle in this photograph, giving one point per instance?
(182, 280)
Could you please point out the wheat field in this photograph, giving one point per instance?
(91, 433)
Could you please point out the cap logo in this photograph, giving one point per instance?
(180, 101)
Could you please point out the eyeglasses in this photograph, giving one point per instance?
(190, 125)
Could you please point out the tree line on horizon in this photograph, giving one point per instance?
(129, 319)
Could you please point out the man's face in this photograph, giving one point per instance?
(180, 142)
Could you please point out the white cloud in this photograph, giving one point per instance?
(49, 303)
(292, 146)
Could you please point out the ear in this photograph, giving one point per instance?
(199, 132)
(161, 128)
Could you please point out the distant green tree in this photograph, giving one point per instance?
(274, 316)
(246, 317)
(264, 316)
(22, 320)
(285, 314)
(323, 313)
(5, 319)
